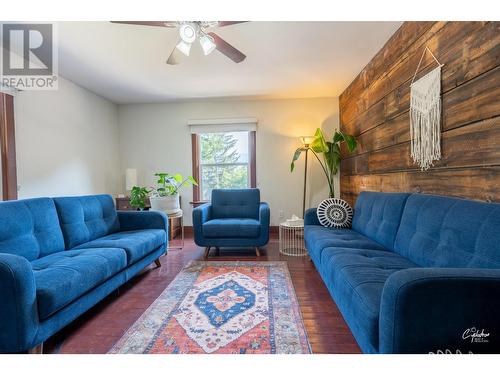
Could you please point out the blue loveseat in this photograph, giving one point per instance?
(416, 273)
(61, 256)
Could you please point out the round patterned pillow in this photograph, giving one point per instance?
(335, 212)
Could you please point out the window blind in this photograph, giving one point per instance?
(222, 125)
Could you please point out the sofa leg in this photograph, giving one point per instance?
(257, 251)
(37, 349)
(158, 263)
(207, 251)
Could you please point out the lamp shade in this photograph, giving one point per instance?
(306, 140)
(184, 47)
(207, 44)
(130, 178)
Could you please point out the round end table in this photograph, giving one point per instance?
(291, 240)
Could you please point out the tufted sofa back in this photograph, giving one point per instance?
(438, 231)
(30, 228)
(86, 218)
(235, 203)
(377, 215)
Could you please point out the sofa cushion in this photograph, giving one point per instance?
(231, 228)
(377, 216)
(318, 238)
(62, 277)
(136, 243)
(357, 277)
(439, 231)
(235, 203)
(30, 228)
(86, 218)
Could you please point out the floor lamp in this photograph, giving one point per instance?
(306, 141)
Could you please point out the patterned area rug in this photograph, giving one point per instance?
(222, 307)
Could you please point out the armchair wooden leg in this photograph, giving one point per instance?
(207, 251)
(158, 263)
(257, 251)
(37, 349)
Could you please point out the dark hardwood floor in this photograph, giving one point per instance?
(98, 329)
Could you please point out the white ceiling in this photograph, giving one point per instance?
(126, 63)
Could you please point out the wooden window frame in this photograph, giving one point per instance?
(8, 147)
(195, 146)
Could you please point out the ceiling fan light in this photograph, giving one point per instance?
(207, 44)
(187, 33)
(184, 47)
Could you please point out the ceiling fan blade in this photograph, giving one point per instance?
(174, 58)
(149, 23)
(227, 49)
(229, 23)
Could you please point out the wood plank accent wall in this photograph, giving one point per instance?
(375, 108)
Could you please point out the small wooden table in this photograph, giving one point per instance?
(179, 216)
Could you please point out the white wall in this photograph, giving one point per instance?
(155, 137)
(66, 142)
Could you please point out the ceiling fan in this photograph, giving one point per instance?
(190, 31)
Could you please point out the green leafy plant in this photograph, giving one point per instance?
(138, 197)
(329, 151)
(170, 184)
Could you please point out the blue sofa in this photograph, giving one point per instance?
(416, 273)
(59, 257)
(234, 218)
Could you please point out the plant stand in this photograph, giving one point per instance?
(291, 240)
(170, 221)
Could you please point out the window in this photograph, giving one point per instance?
(223, 160)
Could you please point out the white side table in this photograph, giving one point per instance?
(291, 240)
(175, 216)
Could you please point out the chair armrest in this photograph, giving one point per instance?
(136, 220)
(311, 217)
(201, 214)
(18, 307)
(424, 310)
(264, 215)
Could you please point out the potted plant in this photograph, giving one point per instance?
(330, 152)
(165, 197)
(138, 196)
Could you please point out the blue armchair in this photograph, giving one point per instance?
(234, 218)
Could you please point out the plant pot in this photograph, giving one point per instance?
(169, 204)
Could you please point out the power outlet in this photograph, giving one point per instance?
(282, 214)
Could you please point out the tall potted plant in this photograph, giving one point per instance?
(165, 197)
(329, 152)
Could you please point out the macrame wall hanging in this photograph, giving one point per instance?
(425, 116)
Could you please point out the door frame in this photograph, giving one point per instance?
(8, 147)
